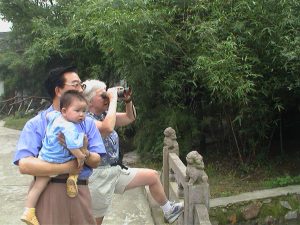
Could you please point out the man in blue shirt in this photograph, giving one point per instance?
(54, 206)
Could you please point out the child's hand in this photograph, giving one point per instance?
(80, 160)
(85, 143)
(73, 167)
(84, 149)
(61, 139)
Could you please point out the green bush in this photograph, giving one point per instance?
(224, 71)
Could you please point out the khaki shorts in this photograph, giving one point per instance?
(104, 182)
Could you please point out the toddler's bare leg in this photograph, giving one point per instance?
(36, 190)
(39, 185)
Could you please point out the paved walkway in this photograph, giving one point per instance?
(13, 186)
(131, 208)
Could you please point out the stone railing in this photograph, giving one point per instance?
(185, 183)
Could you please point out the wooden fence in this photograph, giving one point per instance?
(185, 183)
(23, 105)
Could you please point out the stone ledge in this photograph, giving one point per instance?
(255, 195)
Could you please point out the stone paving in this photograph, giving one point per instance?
(131, 208)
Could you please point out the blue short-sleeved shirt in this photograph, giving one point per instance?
(111, 143)
(34, 131)
(52, 151)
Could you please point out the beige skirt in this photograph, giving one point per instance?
(55, 207)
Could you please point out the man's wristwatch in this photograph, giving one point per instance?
(128, 100)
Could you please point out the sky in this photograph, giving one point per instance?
(4, 26)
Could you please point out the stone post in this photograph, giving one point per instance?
(170, 146)
(165, 180)
(198, 187)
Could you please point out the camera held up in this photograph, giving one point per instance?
(124, 91)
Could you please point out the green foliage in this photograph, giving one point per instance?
(223, 71)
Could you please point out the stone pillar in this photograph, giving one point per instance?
(165, 179)
(198, 187)
(170, 146)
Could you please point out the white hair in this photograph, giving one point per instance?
(91, 86)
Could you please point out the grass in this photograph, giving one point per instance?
(16, 122)
(282, 181)
(226, 180)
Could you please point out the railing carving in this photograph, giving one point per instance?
(186, 183)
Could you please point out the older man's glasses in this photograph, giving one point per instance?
(77, 85)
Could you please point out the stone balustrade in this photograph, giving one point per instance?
(185, 183)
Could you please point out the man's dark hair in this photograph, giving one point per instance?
(56, 79)
(68, 97)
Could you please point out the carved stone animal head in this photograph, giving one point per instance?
(170, 133)
(193, 158)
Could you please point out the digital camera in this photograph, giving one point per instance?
(123, 91)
